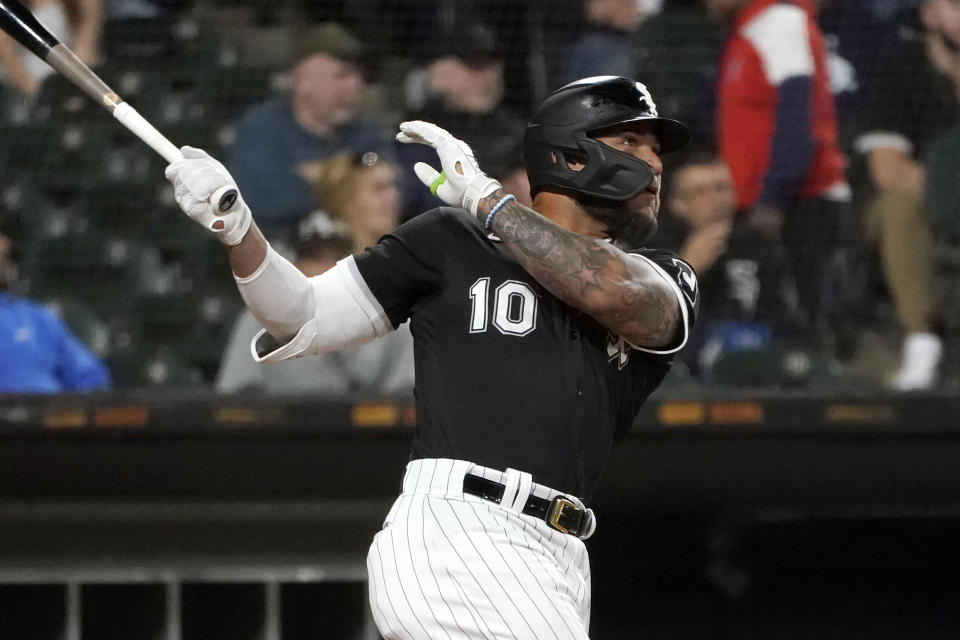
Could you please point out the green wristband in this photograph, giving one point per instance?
(436, 183)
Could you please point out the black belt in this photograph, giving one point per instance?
(560, 513)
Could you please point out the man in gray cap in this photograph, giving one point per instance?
(282, 140)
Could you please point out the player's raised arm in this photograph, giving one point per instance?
(626, 294)
(592, 152)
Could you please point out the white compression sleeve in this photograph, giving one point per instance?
(310, 315)
(278, 295)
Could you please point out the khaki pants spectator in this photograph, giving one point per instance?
(897, 224)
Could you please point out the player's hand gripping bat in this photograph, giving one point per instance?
(17, 21)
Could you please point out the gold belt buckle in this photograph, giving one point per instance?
(556, 511)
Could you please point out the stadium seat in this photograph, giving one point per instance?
(74, 153)
(60, 101)
(193, 326)
(105, 272)
(773, 367)
(946, 258)
(23, 207)
(125, 209)
(23, 145)
(168, 318)
(7, 98)
(139, 41)
(231, 90)
(145, 365)
(208, 339)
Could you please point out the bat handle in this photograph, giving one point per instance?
(224, 197)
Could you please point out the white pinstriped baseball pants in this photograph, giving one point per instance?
(452, 566)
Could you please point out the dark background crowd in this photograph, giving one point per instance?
(817, 201)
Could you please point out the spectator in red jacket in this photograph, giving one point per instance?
(777, 130)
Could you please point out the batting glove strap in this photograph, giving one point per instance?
(477, 189)
(195, 178)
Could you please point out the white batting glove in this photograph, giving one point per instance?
(461, 183)
(195, 178)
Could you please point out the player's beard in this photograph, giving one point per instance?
(626, 227)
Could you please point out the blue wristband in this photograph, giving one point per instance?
(507, 198)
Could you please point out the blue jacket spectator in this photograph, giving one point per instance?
(605, 46)
(38, 354)
(281, 141)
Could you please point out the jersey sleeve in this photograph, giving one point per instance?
(405, 265)
(683, 281)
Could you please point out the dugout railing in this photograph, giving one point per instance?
(177, 517)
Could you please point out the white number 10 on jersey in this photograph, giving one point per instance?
(514, 307)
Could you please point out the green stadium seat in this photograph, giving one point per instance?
(23, 145)
(139, 41)
(144, 365)
(74, 154)
(229, 91)
(60, 101)
(748, 368)
(774, 367)
(7, 100)
(194, 324)
(106, 272)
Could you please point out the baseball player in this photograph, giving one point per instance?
(538, 332)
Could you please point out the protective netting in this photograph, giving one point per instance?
(95, 230)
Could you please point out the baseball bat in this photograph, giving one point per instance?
(17, 21)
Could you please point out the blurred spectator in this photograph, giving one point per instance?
(746, 288)
(362, 198)
(38, 354)
(675, 51)
(777, 129)
(123, 9)
(851, 34)
(360, 195)
(460, 89)
(604, 46)
(77, 23)
(911, 101)
(280, 142)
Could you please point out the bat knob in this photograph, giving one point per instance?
(227, 200)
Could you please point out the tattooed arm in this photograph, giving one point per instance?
(622, 292)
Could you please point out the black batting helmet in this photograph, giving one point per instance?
(560, 132)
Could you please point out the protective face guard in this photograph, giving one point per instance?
(607, 173)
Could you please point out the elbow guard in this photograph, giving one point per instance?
(343, 314)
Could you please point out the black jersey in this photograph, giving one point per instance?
(507, 376)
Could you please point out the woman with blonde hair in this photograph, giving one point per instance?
(359, 192)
